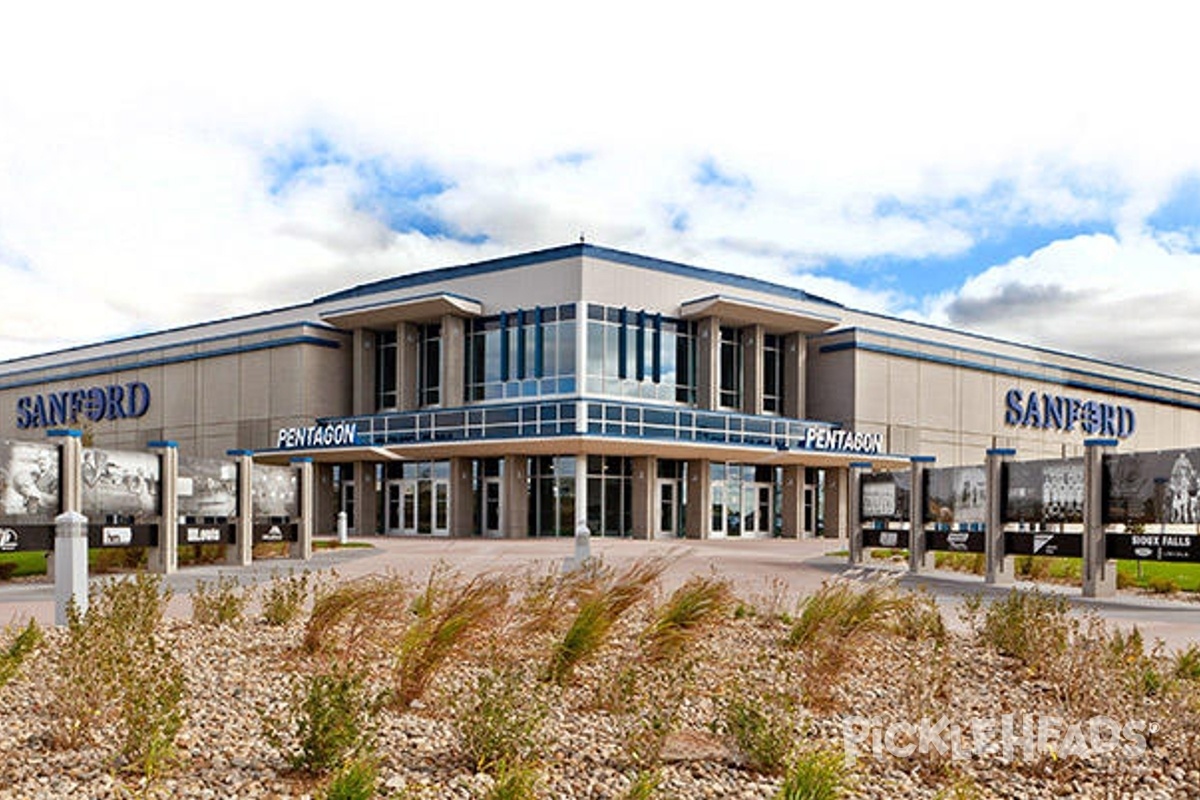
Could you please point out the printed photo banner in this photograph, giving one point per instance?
(885, 496)
(956, 495)
(1044, 492)
(1161, 487)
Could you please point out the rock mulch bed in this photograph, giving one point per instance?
(240, 678)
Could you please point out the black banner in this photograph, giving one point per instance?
(883, 537)
(955, 541)
(1043, 492)
(955, 495)
(26, 538)
(276, 532)
(118, 535)
(1153, 546)
(192, 533)
(1022, 543)
(1152, 488)
(885, 496)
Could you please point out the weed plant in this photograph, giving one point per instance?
(696, 606)
(842, 610)
(644, 786)
(514, 781)
(502, 721)
(220, 604)
(328, 723)
(21, 645)
(447, 615)
(598, 611)
(112, 664)
(762, 728)
(356, 780)
(284, 598)
(359, 619)
(815, 775)
(1186, 664)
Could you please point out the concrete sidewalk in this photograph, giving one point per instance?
(787, 569)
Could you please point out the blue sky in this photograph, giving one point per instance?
(897, 158)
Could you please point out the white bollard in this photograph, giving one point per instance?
(342, 528)
(583, 544)
(70, 564)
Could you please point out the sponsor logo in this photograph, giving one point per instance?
(958, 541)
(95, 403)
(889, 539)
(8, 540)
(273, 534)
(117, 537)
(1143, 552)
(202, 535)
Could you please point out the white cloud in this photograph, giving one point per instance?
(133, 139)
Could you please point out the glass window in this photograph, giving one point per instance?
(429, 371)
(385, 370)
(731, 367)
(773, 374)
(638, 354)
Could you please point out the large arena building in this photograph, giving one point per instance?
(524, 395)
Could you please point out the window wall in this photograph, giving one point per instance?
(640, 354)
(429, 370)
(522, 353)
(731, 378)
(552, 496)
(386, 397)
(609, 495)
(773, 374)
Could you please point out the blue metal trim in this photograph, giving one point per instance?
(180, 359)
(1016, 373)
(239, 452)
(1015, 359)
(656, 355)
(159, 349)
(1002, 451)
(1100, 442)
(503, 345)
(55, 433)
(521, 344)
(566, 252)
(622, 344)
(860, 465)
(640, 343)
(539, 343)
(163, 444)
(922, 459)
(301, 460)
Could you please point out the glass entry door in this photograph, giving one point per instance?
(492, 511)
(418, 507)
(668, 509)
(757, 510)
(347, 504)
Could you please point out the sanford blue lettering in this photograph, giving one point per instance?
(1033, 414)
(94, 407)
(24, 415)
(1052, 412)
(116, 396)
(138, 399)
(1012, 412)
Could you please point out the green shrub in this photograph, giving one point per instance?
(815, 775)
(1032, 627)
(762, 731)
(112, 664)
(841, 609)
(356, 780)
(222, 604)
(20, 646)
(284, 598)
(1187, 664)
(514, 781)
(501, 722)
(331, 717)
(1160, 584)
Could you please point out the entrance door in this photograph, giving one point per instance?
(668, 509)
(757, 511)
(810, 511)
(492, 508)
(418, 507)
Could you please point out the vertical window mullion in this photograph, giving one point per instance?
(521, 344)
(623, 345)
(641, 346)
(539, 343)
(656, 350)
(503, 345)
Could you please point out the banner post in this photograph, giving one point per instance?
(1099, 574)
(998, 567)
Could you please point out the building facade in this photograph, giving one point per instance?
(526, 395)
